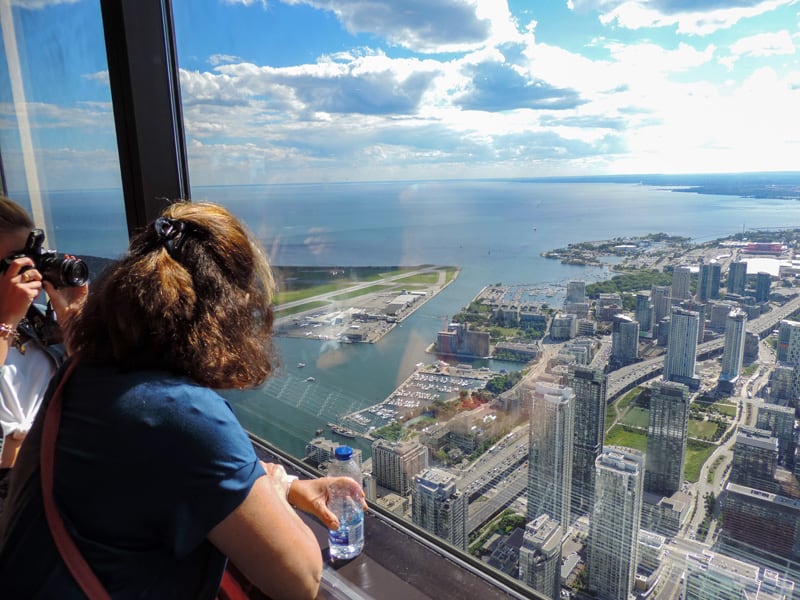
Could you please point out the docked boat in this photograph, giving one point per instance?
(343, 431)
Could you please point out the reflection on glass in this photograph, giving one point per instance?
(57, 138)
(550, 374)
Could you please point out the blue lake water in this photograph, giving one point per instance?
(494, 230)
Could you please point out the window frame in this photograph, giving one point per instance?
(145, 92)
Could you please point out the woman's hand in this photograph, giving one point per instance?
(311, 496)
(19, 286)
(66, 301)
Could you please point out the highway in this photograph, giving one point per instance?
(628, 377)
(505, 491)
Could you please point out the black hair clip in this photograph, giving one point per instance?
(171, 234)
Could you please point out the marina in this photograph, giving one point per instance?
(438, 382)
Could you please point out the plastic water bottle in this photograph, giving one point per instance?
(347, 541)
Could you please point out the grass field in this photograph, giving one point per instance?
(617, 436)
(294, 295)
(625, 401)
(427, 278)
(703, 430)
(372, 289)
(696, 454)
(729, 410)
(611, 417)
(299, 308)
(636, 417)
(615, 408)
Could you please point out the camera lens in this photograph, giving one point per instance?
(74, 272)
(64, 271)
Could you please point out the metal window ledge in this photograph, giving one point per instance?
(398, 563)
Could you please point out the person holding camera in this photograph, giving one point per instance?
(155, 477)
(28, 355)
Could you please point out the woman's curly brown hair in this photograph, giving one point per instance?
(201, 308)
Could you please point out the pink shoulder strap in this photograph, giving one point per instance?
(72, 557)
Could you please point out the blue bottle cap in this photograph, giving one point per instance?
(343, 453)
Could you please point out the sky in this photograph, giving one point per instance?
(281, 91)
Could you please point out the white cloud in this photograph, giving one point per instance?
(421, 25)
(764, 44)
(366, 83)
(91, 115)
(263, 3)
(383, 116)
(99, 76)
(700, 17)
(508, 107)
(759, 46)
(220, 59)
(39, 4)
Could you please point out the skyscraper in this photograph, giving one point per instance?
(679, 363)
(788, 352)
(761, 519)
(708, 286)
(576, 292)
(624, 340)
(755, 459)
(589, 386)
(394, 464)
(700, 309)
(718, 315)
(737, 278)
(644, 314)
(763, 283)
(614, 527)
(681, 283)
(439, 507)
(550, 452)
(667, 432)
(661, 296)
(711, 576)
(779, 420)
(733, 351)
(540, 556)
(788, 349)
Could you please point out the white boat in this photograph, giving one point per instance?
(310, 379)
(343, 431)
(300, 365)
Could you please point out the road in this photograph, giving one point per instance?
(506, 491)
(721, 458)
(627, 377)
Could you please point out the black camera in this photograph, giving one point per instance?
(60, 271)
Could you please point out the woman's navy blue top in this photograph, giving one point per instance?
(147, 463)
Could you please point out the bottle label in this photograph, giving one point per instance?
(350, 532)
(357, 532)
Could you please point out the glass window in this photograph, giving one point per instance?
(59, 152)
(498, 282)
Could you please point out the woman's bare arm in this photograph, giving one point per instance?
(266, 539)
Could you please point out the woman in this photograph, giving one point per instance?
(154, 476)
(28, 361)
